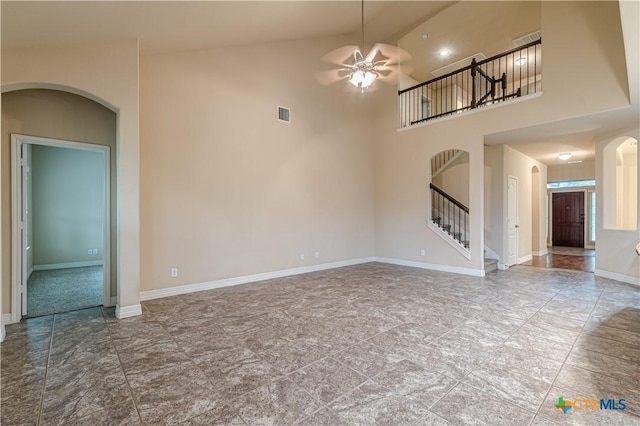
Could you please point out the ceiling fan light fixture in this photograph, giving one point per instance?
(369, 79)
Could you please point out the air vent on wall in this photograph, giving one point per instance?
(457, 65)
(284, 114)
(525, 39)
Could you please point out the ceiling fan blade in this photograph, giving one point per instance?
(342, 56)
(394, 54)
(328, 77)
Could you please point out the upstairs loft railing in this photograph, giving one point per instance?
(450, 215)
(508, 75)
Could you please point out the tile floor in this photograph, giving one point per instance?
(368, 344)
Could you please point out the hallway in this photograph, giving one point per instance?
(572, 258)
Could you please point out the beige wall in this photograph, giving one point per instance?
(454, 180)
(577, 171)
(58, 115)
(226, 189)
(68, 205)
(107, 73)
(494, 199)
(530, 210)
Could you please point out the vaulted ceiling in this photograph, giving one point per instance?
(169, 26)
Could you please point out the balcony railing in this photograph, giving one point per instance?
(505, 76)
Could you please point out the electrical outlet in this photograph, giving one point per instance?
(89, 251)
(301, 256)
(94, 251)
(422, 252)
(174, 272)
(317, 255)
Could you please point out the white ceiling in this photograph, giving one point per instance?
(169, 26)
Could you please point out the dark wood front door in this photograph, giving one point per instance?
(568, 219)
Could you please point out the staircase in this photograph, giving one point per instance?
(490, 265)
(450, 216)
(441, 160)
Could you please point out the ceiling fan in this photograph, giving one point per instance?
(381, 63)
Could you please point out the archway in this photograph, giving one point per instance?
(620, 184)
(537, 213)
(54, 111)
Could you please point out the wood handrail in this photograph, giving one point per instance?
(449, 197)
(468, 67)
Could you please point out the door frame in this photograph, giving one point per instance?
(589, 245)
(18, 256)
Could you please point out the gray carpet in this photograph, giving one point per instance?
(63, 290)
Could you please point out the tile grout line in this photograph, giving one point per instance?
(113, 345)
(566, 357)
(46, 371)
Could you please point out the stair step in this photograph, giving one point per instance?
(490, 265)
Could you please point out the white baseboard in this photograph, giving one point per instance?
(629, 279)
(52, 266)
(191, 288)
(432, 266)
(502, 266)
(7, 319)
(128, 311)
(540, 252)
(525, 258)
(2, 333)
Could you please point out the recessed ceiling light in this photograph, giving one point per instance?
(520, 61)
(424, 36)
(444, 52)
(564, 156)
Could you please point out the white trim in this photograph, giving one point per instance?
(540, 252)
(629, 279)
(3, 333)
(490, 254)
(432, 266)
(473, 111)
(524, 259)
(227, 282)
(128, 311)
(502, 266)
(67, 265)
(17, 141)
(449, 239)
(7, 319)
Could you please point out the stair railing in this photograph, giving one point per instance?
(450, 215)
(441, 159)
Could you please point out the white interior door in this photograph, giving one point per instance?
(512, 221)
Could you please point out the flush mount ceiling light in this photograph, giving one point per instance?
(564, 156)
(444, 52)
(520, 61)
